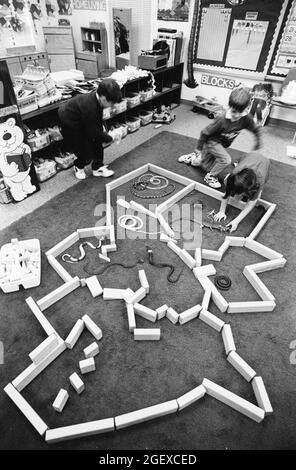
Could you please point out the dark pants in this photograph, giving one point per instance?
(86, 151)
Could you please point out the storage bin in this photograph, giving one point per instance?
(133, 123)
(107, 112)
(133, 99)
(38, 139)
(146, 117)
(5, 196)
(146, 95)
(45, 170)
(120, 107)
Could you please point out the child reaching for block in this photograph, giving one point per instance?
(210, 152)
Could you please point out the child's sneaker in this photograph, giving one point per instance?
(79, 173)
(196, 160)
(103, 171)
(212, 181)
(187, 158)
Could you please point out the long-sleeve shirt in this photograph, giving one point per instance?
(83, 114)
(259, 164)
(224, 131)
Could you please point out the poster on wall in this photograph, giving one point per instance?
(285, 58)
(99, 5)
(173, 10)
(14, 28)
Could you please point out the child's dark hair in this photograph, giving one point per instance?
(244, 182)
(110, 89)
(239, 99)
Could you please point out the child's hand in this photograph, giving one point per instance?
(219, 216)
(233, 225)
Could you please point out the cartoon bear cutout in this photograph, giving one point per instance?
(15, 160)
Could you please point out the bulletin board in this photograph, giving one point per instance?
(237, 34)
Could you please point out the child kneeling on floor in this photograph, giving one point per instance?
(245, 183)
(210, 152)
(81, 121)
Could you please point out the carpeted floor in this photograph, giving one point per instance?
(132, 375)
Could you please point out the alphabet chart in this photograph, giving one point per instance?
(213, 33)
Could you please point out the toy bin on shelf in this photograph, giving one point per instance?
(20, 264)
(133, 99)
(133, 123)
(107, 112)
(146, 95)
(145, 117)
(120, 107)
(45, 170)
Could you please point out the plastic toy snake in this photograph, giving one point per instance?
(70, 259)
(163, 265)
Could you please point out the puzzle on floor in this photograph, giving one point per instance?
(51, 348)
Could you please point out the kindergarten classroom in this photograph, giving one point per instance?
(129, 318)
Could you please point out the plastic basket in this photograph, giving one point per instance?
(45, 170)
(120, 107)
(107, 112)
(133, 99)
(5, 196)
(146, 95)
(133, 123)
(146, 117)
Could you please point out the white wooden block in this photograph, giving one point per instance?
(123, 203)
(26, 409)
(264, 219)
(111, 234)
(29, 374)
(63, 245)
(268, 265)
(202, 188)
(60, 400)
(105, 258)
(218, 299)
(44, 349)
(190, 397)
(128, 176)
(161, 311)
(59, 269)
(143, 280)
(139, 416)
(92, 231)
(241, 366)
(206, 299)
(256, 306)
(74, 334)
(139, 208)
(170, 174)
(228, 339)
(58, 293)
(165, 226)
(175, 198)
(174, 248)
(189, 314)
(258, 285)
(91, 351)
(48, 328)
(114, 294)
(145, 312)
(94, 286)
(187, 258)
(261, 249)
(172, 315)
(110, 247)
(211, 320)
(128, 294)
(79, 430)
(87, 365)
(236, 241)
(164, 238)
(204, 271)
(261, 394)
(234, 401)
(76, 383)
(197, 255)
(92, 327)
(146, 334)
(224, 247)
(83, 282)
(131, 317)
(211, 254)
(139, 295)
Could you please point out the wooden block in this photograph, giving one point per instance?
(108, 206)
(94, 286)
(140, 416)
(172, 315)
(76, 383)
(128, 294)
(218, 298)
(258, 285)
(241, 366)
(139, 295)
(105, 258)
(174, 248)
(123, 203)
(143, 280)
(197, 255)
(228, 339)
(261, 395)
(29, 374)
(264, 219)
(83, 282)
(261, 249)
(58, 293)
(234, 401)
(87, 365)
(170, 174)
(111, 247)
(60, 400)
(92, 231)
(74, 334)
(202, 188)
(189, 314)
(211, 254)
(268, 265)
(164, 238)
(204, 271)
(92, 327)
(44, 349)
(191, 397)
(206, 299)
(236, 241)
(128, 176)
(139, 208)
(79, 430)
(145, 312)
(256, 306)
(187, 258)
(211, 320)
(111, 234)
(146, 334)
(114, 294)
(63, 245)
(59, 269)
(165, 226)
(48, 328)
(161, 311)
(92, 350)
(26, 409)
(175, 198)
(131, 317)
(224, 247)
